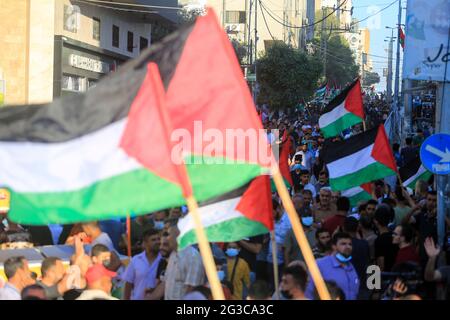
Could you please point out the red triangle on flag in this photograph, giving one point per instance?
(382, 151)
(353, 101)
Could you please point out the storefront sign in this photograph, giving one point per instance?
(88, 64)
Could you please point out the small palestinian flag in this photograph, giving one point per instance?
(360, 159)
(103, 154)
(320, 92)
(241, 213)
(357, 194)
(402, 37)
(413, 172)
(286, 145)
(344, 111)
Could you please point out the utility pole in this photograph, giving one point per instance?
(223, 15)
(249, 41)
(389, 77)
(255, 88)
(397, 61)
(324, 44)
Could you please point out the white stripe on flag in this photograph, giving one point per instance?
(421, 171)
(352, 192)
(351, 163)
(330, 117)
(66, 166)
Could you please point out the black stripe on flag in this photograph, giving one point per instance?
(227, 196)
(339, 98)
(333, 151)
(410, 169)
(109, 101)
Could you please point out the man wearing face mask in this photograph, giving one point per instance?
(141, 272)
(293, 283)
(338, 268)
(158, 219)
(292, 250)
(238, 272)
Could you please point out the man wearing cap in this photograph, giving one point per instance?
(99, 284)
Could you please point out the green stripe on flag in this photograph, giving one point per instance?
(342, 123)
(371, 172)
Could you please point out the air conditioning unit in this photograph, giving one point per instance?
(234, 28)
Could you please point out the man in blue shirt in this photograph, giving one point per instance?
(338, 268)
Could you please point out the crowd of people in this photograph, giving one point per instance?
(395, 231)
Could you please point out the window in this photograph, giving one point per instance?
(235, 17)
(96, 28)
(143, 43)
(91, 83)
(71, 18)
(115, 36)
(130, 45)
(72, 83)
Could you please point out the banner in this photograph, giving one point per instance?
(426, 43)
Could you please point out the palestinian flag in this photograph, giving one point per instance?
(241, 213)
(344, 111)
(357, 194)
(401, 37)
(413, 172)
(286, 146)
(360, 159)
(102, 154)
(320, 92)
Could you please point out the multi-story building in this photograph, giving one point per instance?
(53, 48)
(274, 20)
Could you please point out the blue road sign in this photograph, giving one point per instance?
(435, 153)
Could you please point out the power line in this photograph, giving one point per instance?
(133, 5)
(265, 22)
(302, 27)
(358, 21)
(114, 8)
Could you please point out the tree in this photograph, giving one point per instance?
(240, 50)
(341, 67)
(370, 78)
(286, 76)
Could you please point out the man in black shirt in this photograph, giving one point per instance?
(250, 247)
(385, 250)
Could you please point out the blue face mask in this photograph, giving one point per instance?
(159, 225)
(221, 275)
(343, 259)
(232, 252)
(307, 221)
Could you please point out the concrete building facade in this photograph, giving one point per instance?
(53, 48)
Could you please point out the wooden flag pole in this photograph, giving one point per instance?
(276, 279)
(128, 235)
(205, 251)
(300, 234)
(364, 125)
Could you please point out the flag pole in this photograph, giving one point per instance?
(300, 234)
(188, 194)
(276, 279)
(128, 235)
(364, 125)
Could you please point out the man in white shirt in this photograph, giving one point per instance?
(19, 276)
(306, 156)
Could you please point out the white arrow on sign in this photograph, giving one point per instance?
(445, 156)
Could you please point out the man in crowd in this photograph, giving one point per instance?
(184, 270)
(325, 208)
(54, 278)
(259, 290)
(338, 268)
(367, 233)
(433, 274)
(92, 230)
(337, 220)
(293, 283)
(323, 247)
(138, 227)
(18, 275)
(99, 284)
(403, 236)
(409, 152)
(385, 250)
(158, 219)
(323, 181)
(33, 292)
(141, 271)
(371, 207)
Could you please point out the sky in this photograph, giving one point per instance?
(378, 32)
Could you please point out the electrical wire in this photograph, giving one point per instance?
(114, 8)
(265, 22)
(374, 14)
(302, 27)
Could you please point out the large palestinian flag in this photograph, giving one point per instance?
(344, 111)
(360, 159)
(240, 213)
(413, 172)
(101, 154)
(358, 194)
